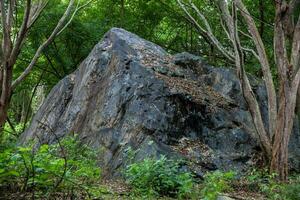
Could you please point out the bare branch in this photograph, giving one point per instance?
(10, 13)
(56, 30)
(78, 8)
(280, 45)
(245, 34)
(293, 5)
(34, 14)
(251, 51)
(207, 32)
(296, 81)
(231, 23)
(295, 55)
(5, 41)
(22, 33)
(225, 29)
(210, 32)
(263, 59)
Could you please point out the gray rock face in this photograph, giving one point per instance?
(131, 93)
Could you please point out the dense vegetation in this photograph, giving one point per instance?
(66, 168)
(161, 22)
(70, 169)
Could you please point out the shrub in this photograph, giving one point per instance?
(270, 187)
(274, 189)
(216, 183)
(152, 177)
(64, 167)
(292, 191)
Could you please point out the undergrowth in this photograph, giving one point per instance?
(159, 177)
(272, 189)
(216, 183)
(67, 168)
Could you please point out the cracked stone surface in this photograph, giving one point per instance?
(131, 93)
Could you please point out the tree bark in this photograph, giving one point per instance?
(10, 51)
(5, 94)
(262, 17)
(279, 161)
(274, 138)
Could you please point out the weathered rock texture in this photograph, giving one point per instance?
(130, 92)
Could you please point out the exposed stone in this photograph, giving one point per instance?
(131, 93)
(224, 198)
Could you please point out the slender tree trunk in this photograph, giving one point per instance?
(274, 139)
(298, 105)
(284, 128)
(10, 48)
(262, 17)
(279, 164)
(5, 93)
(122, 12)
(3, 116)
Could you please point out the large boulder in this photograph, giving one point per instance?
(131, 93)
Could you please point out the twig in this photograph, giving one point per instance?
(31, 99)
(63, 156)
(11, 125)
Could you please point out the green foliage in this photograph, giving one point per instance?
(216, 183)
(265, 182)
(272, 188)
(292, 191)
(275, 190)
(65, 167)
(152, 177)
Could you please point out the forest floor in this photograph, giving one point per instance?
(119, 190)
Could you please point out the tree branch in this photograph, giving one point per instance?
(231, 23)
(295, 55)
(56, 30)
(37, 12)
(206, 32)
(22, 32)
(263, 59)
(10, 14)
(6, 38)
(78, 8)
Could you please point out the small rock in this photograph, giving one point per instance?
(224, 198)
(161, 70)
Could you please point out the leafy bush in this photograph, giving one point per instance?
(261, 180)
(216, 183)
(275, 190)
(272, 188)
(292, 191)
(64, 167)
(152, 177)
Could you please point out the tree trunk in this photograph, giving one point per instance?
(122, 13)
(6, 80)
(285, 118)
(298, 104)
(262, 17)
(3, 113)
(274, 138)
(279, 161)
